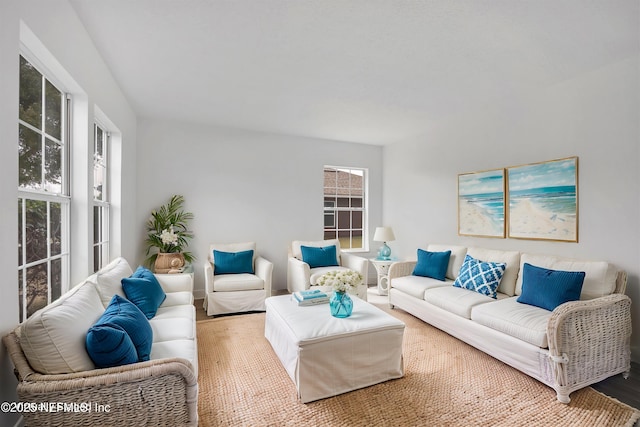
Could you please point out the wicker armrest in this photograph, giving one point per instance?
(590, 340)
(153, 392)
(400, 269)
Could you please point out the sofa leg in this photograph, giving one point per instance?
(563, 398)
(391, 306)
(625, 374)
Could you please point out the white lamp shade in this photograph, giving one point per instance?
(384, 234)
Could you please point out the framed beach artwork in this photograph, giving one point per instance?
(543, 200)
(481, 203)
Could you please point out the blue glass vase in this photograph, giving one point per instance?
(341, 305)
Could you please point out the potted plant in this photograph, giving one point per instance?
(168, 236)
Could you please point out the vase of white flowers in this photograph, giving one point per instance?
(341, 281)
(168, 236)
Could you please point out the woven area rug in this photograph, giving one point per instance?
(446, 383)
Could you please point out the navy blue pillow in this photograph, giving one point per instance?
(109, 345)
(233, 262)
(320, 257)
(144, 290)
(128, 316)
(432, 264)
(548, 289)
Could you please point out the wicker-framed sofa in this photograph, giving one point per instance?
(53, 367)
(577, 344)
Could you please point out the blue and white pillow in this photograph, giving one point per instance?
(480, 276)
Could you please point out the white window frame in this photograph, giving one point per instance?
(43, 195)
(334, 208)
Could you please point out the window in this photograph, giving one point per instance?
(43, 196)
(100, 198)
(345, 206)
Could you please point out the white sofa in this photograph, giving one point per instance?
(52, 364)
(577, 344)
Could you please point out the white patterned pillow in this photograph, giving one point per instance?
(479, 276)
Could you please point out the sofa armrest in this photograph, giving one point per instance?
(208, 277)
(589, 341)
(298, 275)
(264, 270)
(176, 282)
(157, 391)
(356, 263)
(401, 269)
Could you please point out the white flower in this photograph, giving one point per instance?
(169, 237)
(341, 280)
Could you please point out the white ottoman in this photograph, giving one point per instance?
(326, 356)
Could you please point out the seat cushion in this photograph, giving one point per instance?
(417, 285)
(522, 321)
(237, 282)
(172, 328)
(177, 298)
(455, 300)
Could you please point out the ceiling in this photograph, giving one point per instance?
(368, 71)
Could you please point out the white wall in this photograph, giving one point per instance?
(61, 36)
(593, 116)
(245, 186)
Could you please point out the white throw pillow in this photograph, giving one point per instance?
(53, 338)
(108, 279)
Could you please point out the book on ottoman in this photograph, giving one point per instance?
(310, 297)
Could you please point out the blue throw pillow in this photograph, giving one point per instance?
(432, 264)
(144, 290)
(233, 262)
(479, 276)
(320, 257)
(548, 289)
(109, 345)
(125, 314)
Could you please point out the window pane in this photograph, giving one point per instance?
(343, 202)
(53, 166)
(36, 288)
(56, 279)
(30, 158)
(96, 258)
(356, 238)
(345, 239)
(356, 202)
(56, 228)
(329, 220)
(344, 220)
(20, 294)
(53, 104)
(329, 234)
(36, 230)
(20, 260)
(99, 146)
(30, 94)
(97, 221)
(98, 182)
(356, 219)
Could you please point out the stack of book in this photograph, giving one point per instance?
(310, 297)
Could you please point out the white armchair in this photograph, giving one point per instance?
(301, 276)
(235, 292)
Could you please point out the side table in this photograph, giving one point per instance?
(382, 267)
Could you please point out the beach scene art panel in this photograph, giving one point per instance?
(481, 203)
(543, 200)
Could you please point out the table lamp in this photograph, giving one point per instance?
(384, 235)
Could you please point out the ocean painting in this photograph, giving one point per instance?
(481, 204)
(543, 200)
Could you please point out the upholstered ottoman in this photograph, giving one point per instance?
(326, 356)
